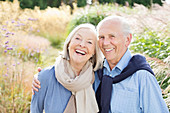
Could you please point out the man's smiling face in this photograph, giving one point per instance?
(112, 41)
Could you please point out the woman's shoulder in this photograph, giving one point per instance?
(46, 73)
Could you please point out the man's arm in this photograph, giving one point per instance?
(37, 102)
(151, 100)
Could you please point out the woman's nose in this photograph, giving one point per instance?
(82, 43)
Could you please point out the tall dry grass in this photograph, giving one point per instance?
(21, 51)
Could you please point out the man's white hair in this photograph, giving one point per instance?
(124, 24)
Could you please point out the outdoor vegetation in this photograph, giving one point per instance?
(32, 38)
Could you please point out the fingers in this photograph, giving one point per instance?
(33, 92)
(35, 79)
(39, 69)
(34, 89)
(37, 83)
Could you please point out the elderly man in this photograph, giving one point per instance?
(126, 84)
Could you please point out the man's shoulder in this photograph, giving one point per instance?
(46, 73)
(143, 72)
(144, 75)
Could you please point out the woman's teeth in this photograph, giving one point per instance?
(80, 52)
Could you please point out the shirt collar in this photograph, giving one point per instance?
(122, 63)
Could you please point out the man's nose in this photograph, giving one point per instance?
(106, 41)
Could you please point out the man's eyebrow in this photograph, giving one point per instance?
(100, 35)
(111, 34)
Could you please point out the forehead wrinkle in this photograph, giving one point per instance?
(86, 37)
(82, 33)
(79, 31)
(100, 35)
(110, 23)
(79, 34)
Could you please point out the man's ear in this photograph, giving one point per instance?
(128, 39)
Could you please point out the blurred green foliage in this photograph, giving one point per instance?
(92, 16)
(131, 2)
(152, 43)
(80, 3)
(41, 3)
(56, 41)
(106, 1)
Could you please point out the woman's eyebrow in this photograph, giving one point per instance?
(90, 39)
(79, 35)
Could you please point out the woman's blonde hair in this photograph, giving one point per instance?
(97, 59)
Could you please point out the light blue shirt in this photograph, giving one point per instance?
(139, 93)
(52, 96)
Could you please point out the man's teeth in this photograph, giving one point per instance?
(107, 50)
(81, 52)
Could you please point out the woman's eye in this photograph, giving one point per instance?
(77, 38)
(89, 42)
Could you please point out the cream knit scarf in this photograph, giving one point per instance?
(83, 96)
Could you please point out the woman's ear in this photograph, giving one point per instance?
(128, 39)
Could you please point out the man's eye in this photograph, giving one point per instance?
(101, 37)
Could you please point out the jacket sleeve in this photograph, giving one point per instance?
(38, 99)
(151, 100)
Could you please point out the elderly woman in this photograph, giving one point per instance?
(66, 87)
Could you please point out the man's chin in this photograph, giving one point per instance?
(109, 57)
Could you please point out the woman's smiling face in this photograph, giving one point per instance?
(82, 46)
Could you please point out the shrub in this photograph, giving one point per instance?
(92, 16)
(57, 40)
(106, 1)
(41, 3)
(131, 2)
(81, 3)
(151, 43)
